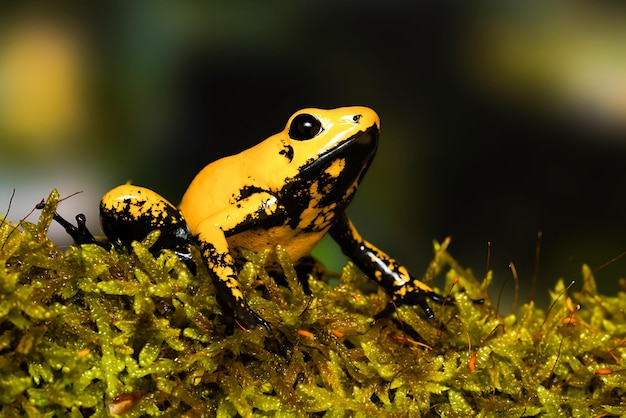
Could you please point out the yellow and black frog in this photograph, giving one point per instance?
(290, 189)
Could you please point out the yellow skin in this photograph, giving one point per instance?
(290, 189)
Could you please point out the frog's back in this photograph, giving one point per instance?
(220, 185)
(213, 189)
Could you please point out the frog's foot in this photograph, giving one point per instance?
(419, 297)
(247, 318)
(79, 233)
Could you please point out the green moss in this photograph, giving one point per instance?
(87, 331)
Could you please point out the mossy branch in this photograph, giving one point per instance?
(91, 333)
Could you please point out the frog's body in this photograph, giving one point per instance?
(290, 189)
(283, 191)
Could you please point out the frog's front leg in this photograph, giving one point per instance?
(220, 262)
(379, 267)
(250, 213)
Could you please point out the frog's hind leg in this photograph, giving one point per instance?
(129, 213)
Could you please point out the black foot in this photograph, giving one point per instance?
(247, 318)
(419, 298)
(80, 233)
(416, 298)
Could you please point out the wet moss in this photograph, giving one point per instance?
(87, 332)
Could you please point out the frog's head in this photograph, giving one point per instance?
(324, 154)
(335, 144)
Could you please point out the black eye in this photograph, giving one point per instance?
(304, 127)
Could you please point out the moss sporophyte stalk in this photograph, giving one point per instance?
(86, 331)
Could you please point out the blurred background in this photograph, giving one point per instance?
(500, 120)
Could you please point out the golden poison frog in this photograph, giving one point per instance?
(290, 189)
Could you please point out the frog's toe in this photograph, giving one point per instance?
(419, 297)
(247, 318)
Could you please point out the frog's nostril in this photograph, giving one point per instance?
(356, 118)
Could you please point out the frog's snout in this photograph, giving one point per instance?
(366, 117)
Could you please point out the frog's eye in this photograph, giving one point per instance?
(304, 127)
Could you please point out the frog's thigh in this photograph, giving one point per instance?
(130, 212)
